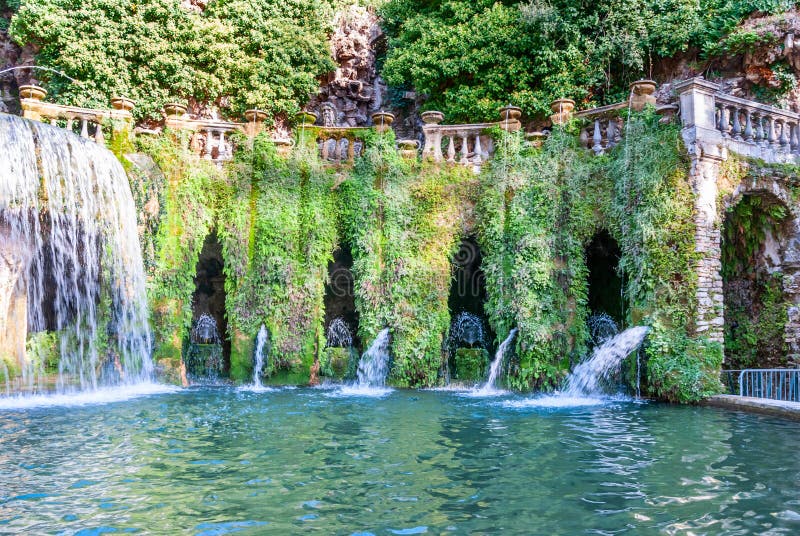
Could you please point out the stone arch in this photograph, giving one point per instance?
(755, 296)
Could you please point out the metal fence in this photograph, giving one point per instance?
(730, 381)
(777, 384)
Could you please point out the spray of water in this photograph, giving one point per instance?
(261, 342)
(466, 330)
(374, 364)
(338, 334)
(71, 259)
(489, 388)
(588, 377)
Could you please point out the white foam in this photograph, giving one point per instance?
(360, 390)
(105, 395)
(255, 388)
(485, 392)
(564, 401)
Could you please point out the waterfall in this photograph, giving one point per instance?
(261, 340)
(494, 370)
(374, 364)
(587, 378)
(205, 330)
(70, 260)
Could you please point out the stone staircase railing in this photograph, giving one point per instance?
(86, 122)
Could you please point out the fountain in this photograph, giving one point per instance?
(374, 364)
(204, 355)
(488, 388)
(338, 334)
(588, 377)
(70, 260)
(467, 329)
(601, 328)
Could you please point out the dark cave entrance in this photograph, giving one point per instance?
(605, 284)
(340, 301)
(209, 300)
(471, 337)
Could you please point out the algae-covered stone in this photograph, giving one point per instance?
(470, 363)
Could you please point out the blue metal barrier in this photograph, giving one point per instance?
(776, 384)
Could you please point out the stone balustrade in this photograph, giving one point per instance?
(339, 145)
(757, 129)
(715, 123)
(604, 127)
(467, 145)
(86, 122)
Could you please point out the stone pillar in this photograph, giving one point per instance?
(704, 144)
(790, 266)
(709, 321)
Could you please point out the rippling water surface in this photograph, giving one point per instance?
(223, 461)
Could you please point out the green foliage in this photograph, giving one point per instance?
(747, 224)
(471, 364)
(470, 57)
(43, 351)
(188, 207)
(277, 252)
(403, 227)
(236, 54)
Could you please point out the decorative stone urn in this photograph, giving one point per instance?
(382, 120)
(32, 92)
(283, 146)
(175, 109)
(510, 118)
(432, 117)
(408, 148)
(122, 103)
(255, 116)
(642, 94)
(562, 110)
(305, 118)
(536, 139)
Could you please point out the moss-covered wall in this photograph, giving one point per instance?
(532, 210)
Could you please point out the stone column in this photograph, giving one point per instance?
(704, 144)
(790, 266)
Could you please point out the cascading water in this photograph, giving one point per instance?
(70, 260)
(205, 330)
(374, 364)
(338, 334)
(261, 342)
(587, 378)
(494, 370)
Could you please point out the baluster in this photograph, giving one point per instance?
(478, 160)
(324, 149)
(722, 125)
(597, 138)
(209, 144)
(98, 134)
(611, 134)
(748, 126)
(737, 125)
(427, 150)
(351, 150)
(464, 149)
(794, 141)
(784, 139)
(70, 123)
(437, 147)
(84, 128)
(451, 150)
(584, 138)
(54, 121)
(771, 139)
(761, 133)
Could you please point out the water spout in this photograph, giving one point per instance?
(588, 377)
(374, 364)
(261, 341)
(494, 370)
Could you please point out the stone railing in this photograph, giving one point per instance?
(466, 145)
(604, 128)
(86, 122)
(715, 123)
(341, 145)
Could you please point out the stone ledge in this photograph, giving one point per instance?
(778, 408)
